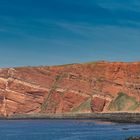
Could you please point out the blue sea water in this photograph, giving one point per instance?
(65, 130)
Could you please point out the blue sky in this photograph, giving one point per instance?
(52, 32)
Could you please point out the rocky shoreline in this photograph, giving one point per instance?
(119, 117)
(133, 138)
(116, 117)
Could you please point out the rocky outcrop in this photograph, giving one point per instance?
(98, 104)
(83, 88)
(133, 138)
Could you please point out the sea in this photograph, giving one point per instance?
(66, 130)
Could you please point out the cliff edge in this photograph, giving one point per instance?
(76, 88)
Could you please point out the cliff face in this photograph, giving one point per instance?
(83, 88)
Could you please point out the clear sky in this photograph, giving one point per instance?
(51, 32)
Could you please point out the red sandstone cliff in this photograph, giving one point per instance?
(90, 87)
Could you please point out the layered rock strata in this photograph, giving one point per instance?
(76, 88)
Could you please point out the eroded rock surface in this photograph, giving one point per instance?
(89, 87)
